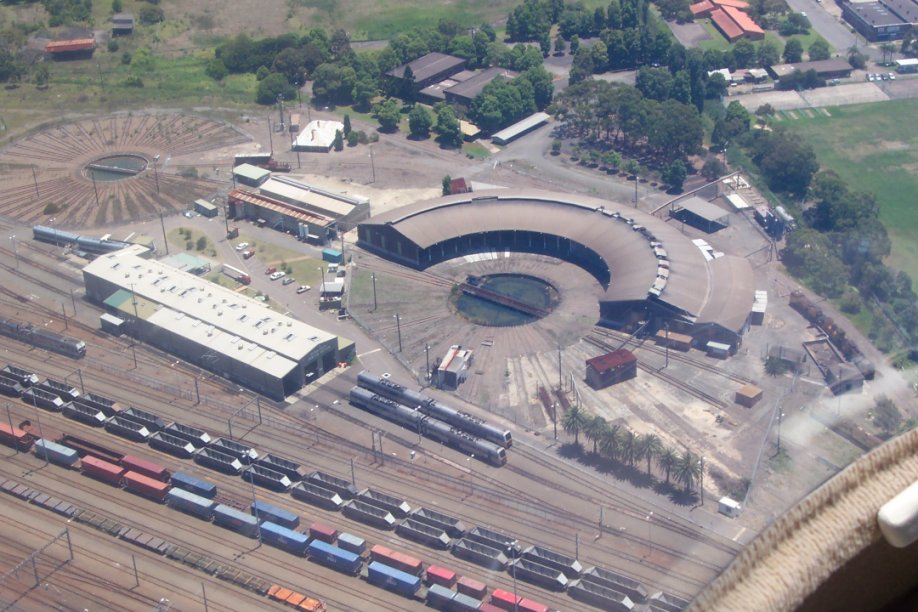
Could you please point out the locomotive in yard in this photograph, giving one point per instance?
(43, 338)
(431, 407)
(433, 428)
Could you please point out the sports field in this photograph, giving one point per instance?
(875, 147)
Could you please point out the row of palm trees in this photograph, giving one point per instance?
(620, 444)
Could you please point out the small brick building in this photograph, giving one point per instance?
(611, 368)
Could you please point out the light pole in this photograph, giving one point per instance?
(427, 356)
(372, 163)
(322, 290)
(398, 327)
(15, 250)
(649, 519)
(554, 418)
(516, 605)
(373, 277)
(780, 416)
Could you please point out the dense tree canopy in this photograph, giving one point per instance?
(787, 163)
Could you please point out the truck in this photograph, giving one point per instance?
(237, 275)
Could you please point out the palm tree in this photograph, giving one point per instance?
(593, 429)
(610, 443)
(628, 447)
(668, 460)
(688, 469)
(650, 446)
(574, 422)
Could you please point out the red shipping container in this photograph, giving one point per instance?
(527, 605)
(505, 600)
(440, 575)
(488, 607)
(103, 470)
(471, 587)
(323, 532)
(146, 486)
(397, 560)
(15, 437)
(145, 467)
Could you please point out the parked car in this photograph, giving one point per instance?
(303, 288)
(247, 254)
(892, 76)
(276, 275)
(242, 246)
(188, 214)
(289, 280)
(270, 269)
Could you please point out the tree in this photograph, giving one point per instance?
(575, 44)
(347, 124)
(716, 86)
(363, 92)
(744, 53)
(448, 127)
(151, 14)
(775, 366)
(262, 73)
(654, 83)
(713, 169)
(887, 415)
(628, 447)
(388, 114)
(201, 244)
(793, 51)
(610, 442)
(42, 75)
(674, 175)
(856, 58)
(560, 45)
(582, 66)
(352, 139)
(338, 143)
(649, 448)
(668, 461)
(117, 6)
(271, 87)
(446, 182)
(819, 50)
(688, 469)
(888, 49)
(574, 420)
(419, 122)
(593, 429)
(787, 163)
(768, 54)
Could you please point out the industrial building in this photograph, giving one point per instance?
(611, 368)
(213, 327)
(429, 69)
(252, 176)
(883, 20)
(825, 69)
(346, 210)
(647, 271)
(509, 134)
(701, 214)
(122, 24)
(454, 367)
(318, 136)
(465, 91)
(78, 48)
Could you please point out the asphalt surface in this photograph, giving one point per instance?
(831, 28)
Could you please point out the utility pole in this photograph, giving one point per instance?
(635, 189)
(163, 224)
(9, 417)
(398, 327)
(372, 164)
(666, 327)
(35, 180)
(15, 250)
(427, 355)
(560, 380)
(373, 277)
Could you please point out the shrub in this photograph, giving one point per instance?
(113, 46)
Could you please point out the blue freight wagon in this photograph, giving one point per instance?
(352, 543)
(278, 516)
(238, 521)
(439, 597)
(393, 579)
(56, 453)
(334, 557)
(183, 500)
(194, 485)
(461, 601)
(283, 538)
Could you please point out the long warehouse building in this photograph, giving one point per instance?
(211, 326)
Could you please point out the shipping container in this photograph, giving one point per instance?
(153, 422)
(397, 506)
(26, 378)
(103, 404)
(331, 255)
(505, 600)
(216, 460)
(10, 386)
(395, 559)
(278, 516)
(15, 437)
(425, 534)
(102, 470)
(85, 447)
(555, 560)
(43, 399)
(536, 573)
(371, 515)
(65, 391)
(245, 454)
(84, 414)
(135, 482)
(194, 485)
(198, 437)
(340, 486)
(238, 521)
(441, 575)
(316, 495)
(266, 477)
(488, 607)
(186, 501)
(290, 469)
(127, 429)
(527, 605)
(352, 543)
(600, 596)
(611, 580)
(145, 467)
(173, 445)
(323, 532)
(439, 597)
(334, 557)
(56, 453)
(392, 579)
(464, 603)
(506, 543)
(284, 538)
(482, 554)
(472, 587)
(452, 526)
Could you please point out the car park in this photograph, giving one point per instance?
(276, 275)
(242, 246)
(303, 288)
(248, 253)
(289, 280)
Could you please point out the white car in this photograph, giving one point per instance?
(242, 246)
(276, 275)
(303, 288)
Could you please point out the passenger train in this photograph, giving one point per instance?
(429, 426)
(43, 338)
(431, 407)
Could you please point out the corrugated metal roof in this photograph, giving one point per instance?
(77, 44)
(704, 209)
(429, 65)
(730, 294)
(250, 172)
(519, 127)
(283, 208)
(726, 25)
(612, 360)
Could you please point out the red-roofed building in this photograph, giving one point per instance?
(611, 368)
(729, 28)
(750, 28)
(82, 47)
(740, 4)
(701, 9)
(459, 185)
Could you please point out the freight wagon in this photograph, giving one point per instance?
(102, 470)
(334, 557)
(569, 565)
(279, 516)
(135, 482)
(452, 526)
(316, 495)
(266, 477)
(441, 575)
(198, 437)
(482, 554)
(56, 453)
(43, 399)
(149, 420)
(472, 587)
(539, 574)
(109, 407)
(600, 596)
(439, 597)
(10, 386)
(186, 501)
(463, 603)
(371, 515)
(398, 507)
(145, 467)
(392, 579)
(284, 538)
(173, 445)
(216, 460)
(340, 486)
(66, 392)
(194, 485)
(15, 437)
(395, 559)
(425, 534)
(238, 521)
(495, 539)
(323, 532)
(25, 377)
(611, 580)
(290, 469)
(352, 543)
(84, 414)
(527, 605)
(505, 600)
(127, 429)
(86, 448)
(243, 453)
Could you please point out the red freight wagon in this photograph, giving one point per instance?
(441, 575)
(488, 607)
(471, 587)
(145, 467)
(397, 560)
(323, 532)
(15, 437)
(527, 605)
(505, 600)
(146, 486)
(103, 470)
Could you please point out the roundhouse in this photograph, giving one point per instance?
(647, 269)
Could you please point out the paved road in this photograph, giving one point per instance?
(831, 28)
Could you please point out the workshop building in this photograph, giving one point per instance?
(611, 368)
(454, 367)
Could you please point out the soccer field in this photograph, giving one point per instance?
(875, 148)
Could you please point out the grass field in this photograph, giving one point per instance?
(876, 150)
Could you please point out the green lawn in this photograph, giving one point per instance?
(717, 40)
(873, 147)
